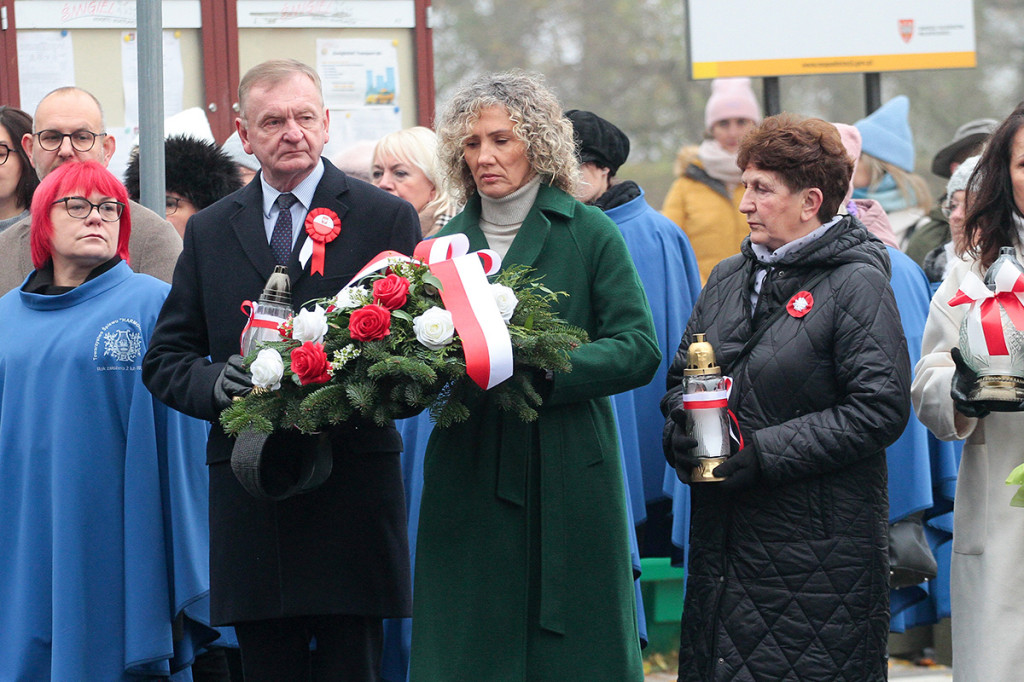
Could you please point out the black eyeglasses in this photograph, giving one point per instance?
(81, 140)
(80, 207)
(171, 204)
(5, 151)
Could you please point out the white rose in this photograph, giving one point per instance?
(434, 328)
(267, 369)
(506, 300)
(351, 297)
(310, 325)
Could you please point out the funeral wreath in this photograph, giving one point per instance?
(388, 346)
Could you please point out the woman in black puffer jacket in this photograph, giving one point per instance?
(788, 568)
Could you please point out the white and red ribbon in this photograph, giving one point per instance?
(255, 319)
(707, 400)
(466, 294)
(1008, 295)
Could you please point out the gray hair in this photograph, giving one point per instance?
(538, 123)
(272, 72)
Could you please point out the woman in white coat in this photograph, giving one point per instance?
(987, 576)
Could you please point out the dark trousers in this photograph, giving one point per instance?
(348, 649)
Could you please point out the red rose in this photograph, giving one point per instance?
(391, 292)
(369, 323)
(310, 364)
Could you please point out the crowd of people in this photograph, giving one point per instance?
(809, 254)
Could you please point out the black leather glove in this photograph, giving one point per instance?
(232, 381)
(963, 379)
(679, 448)
(741, 471)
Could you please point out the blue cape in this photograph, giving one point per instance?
(103, 491)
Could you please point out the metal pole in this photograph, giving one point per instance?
(151, 105)
(772, 98)
(872, 92)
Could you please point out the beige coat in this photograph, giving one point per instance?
(153, 248)
(987, 575)
(707, 211)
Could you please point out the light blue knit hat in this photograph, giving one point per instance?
(885, 134)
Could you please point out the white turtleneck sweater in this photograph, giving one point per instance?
(500, 219)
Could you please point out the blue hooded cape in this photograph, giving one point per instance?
(103, 493)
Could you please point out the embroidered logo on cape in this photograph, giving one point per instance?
(118, 345)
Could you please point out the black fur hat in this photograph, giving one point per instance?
(195, 169)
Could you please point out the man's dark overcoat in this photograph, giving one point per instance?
(341, 549)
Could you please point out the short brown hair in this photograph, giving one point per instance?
(805, 153)
(272, 72)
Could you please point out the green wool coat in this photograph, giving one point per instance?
(522, 566)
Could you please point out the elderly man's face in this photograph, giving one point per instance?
(67, 113)
(775, 214)
(285, 125)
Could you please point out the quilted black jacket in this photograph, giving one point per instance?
(789, 580)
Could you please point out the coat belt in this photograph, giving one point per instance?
(517, 441)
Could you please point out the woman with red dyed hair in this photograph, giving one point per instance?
(102, 487)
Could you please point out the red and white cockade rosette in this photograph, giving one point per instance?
(322, 226)
(800, 304)
(466, 294)
(983, 335)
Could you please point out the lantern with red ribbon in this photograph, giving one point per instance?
(706, 410)
(992, 331)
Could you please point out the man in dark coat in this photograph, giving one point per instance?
(333, 562)
(788, 570)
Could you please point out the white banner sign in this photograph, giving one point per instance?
(796, 37)
(326, 14)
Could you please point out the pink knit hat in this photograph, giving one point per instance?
(731, 98)
(851, 140)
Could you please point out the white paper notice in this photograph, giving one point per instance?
(360, 84)
(174, 76)
(349, 126)
(358, 73)
(46, 61)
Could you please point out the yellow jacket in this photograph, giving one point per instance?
(701, 206)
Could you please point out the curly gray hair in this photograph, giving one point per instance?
(538, 122)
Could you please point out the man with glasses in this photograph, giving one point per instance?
(68, 126)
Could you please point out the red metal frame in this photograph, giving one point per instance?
(220, 65)
(424, 41)
(10, 94)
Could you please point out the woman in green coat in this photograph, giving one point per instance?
(523, 567)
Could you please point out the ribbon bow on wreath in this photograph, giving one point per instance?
(1009, 295)
(466, 295)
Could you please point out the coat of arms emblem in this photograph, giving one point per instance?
(906, 29)
(123, 345)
